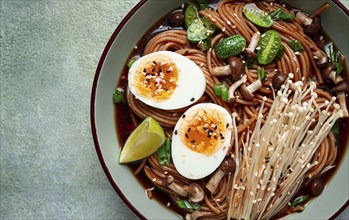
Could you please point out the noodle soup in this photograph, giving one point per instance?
(280, 162)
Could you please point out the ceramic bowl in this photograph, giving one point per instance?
(134, 25)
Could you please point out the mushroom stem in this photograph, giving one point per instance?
(212, 184)
(254, 86)
(304, 18)
(334, 78)
(319, 10)
(254, 41)
(221, 70)
(342, 103)
(168, 181)
(234, 86)
(194, 215)
(226, 167)
(196, 193)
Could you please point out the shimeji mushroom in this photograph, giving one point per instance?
(234, 87)
(249, 51)
(226, 167)
(195, 192)
(235, 68)
(321, 58)
(340, 90)
(247, 91)
(194, 215)
(329, 72)
(168, 181)
(278, 80)
(310, 25)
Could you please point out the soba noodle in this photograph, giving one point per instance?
(250, 117)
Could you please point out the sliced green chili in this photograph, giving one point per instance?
(164, 153)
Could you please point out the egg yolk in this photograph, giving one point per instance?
(157, 78)
(204, 131)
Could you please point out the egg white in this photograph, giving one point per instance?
(191, 82)
(191, 164)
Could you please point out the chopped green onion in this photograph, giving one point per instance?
(118, 96)
(131, 61)
(299, 200)
(261, 74)
(225, 92)
(184, 204)
(164, 153)
(281, 15)
(295, 45)
(281, 52)
(221, 90)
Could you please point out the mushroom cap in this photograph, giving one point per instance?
(196, 193)
(237, 67)
(327, 71)
(245, 92)
(317, 186)
(322, 59)
(167, 180)
(228, 165)
(314, 27)
(278, 80)
(341, 87)
(250, 55)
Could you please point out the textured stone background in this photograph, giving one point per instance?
(49, 53)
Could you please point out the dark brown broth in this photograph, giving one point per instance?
(125, 126)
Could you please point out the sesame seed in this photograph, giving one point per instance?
(175, 132)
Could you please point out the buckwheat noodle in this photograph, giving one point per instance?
(230, 20)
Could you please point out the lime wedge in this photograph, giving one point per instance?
(143, 141)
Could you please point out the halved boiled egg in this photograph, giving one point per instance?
(200, 140)
(166, 80)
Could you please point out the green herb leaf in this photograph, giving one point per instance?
(281, 15)
(296, 46)
(261, 74)
(334, 57)
(184, 204)
(299, 200)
